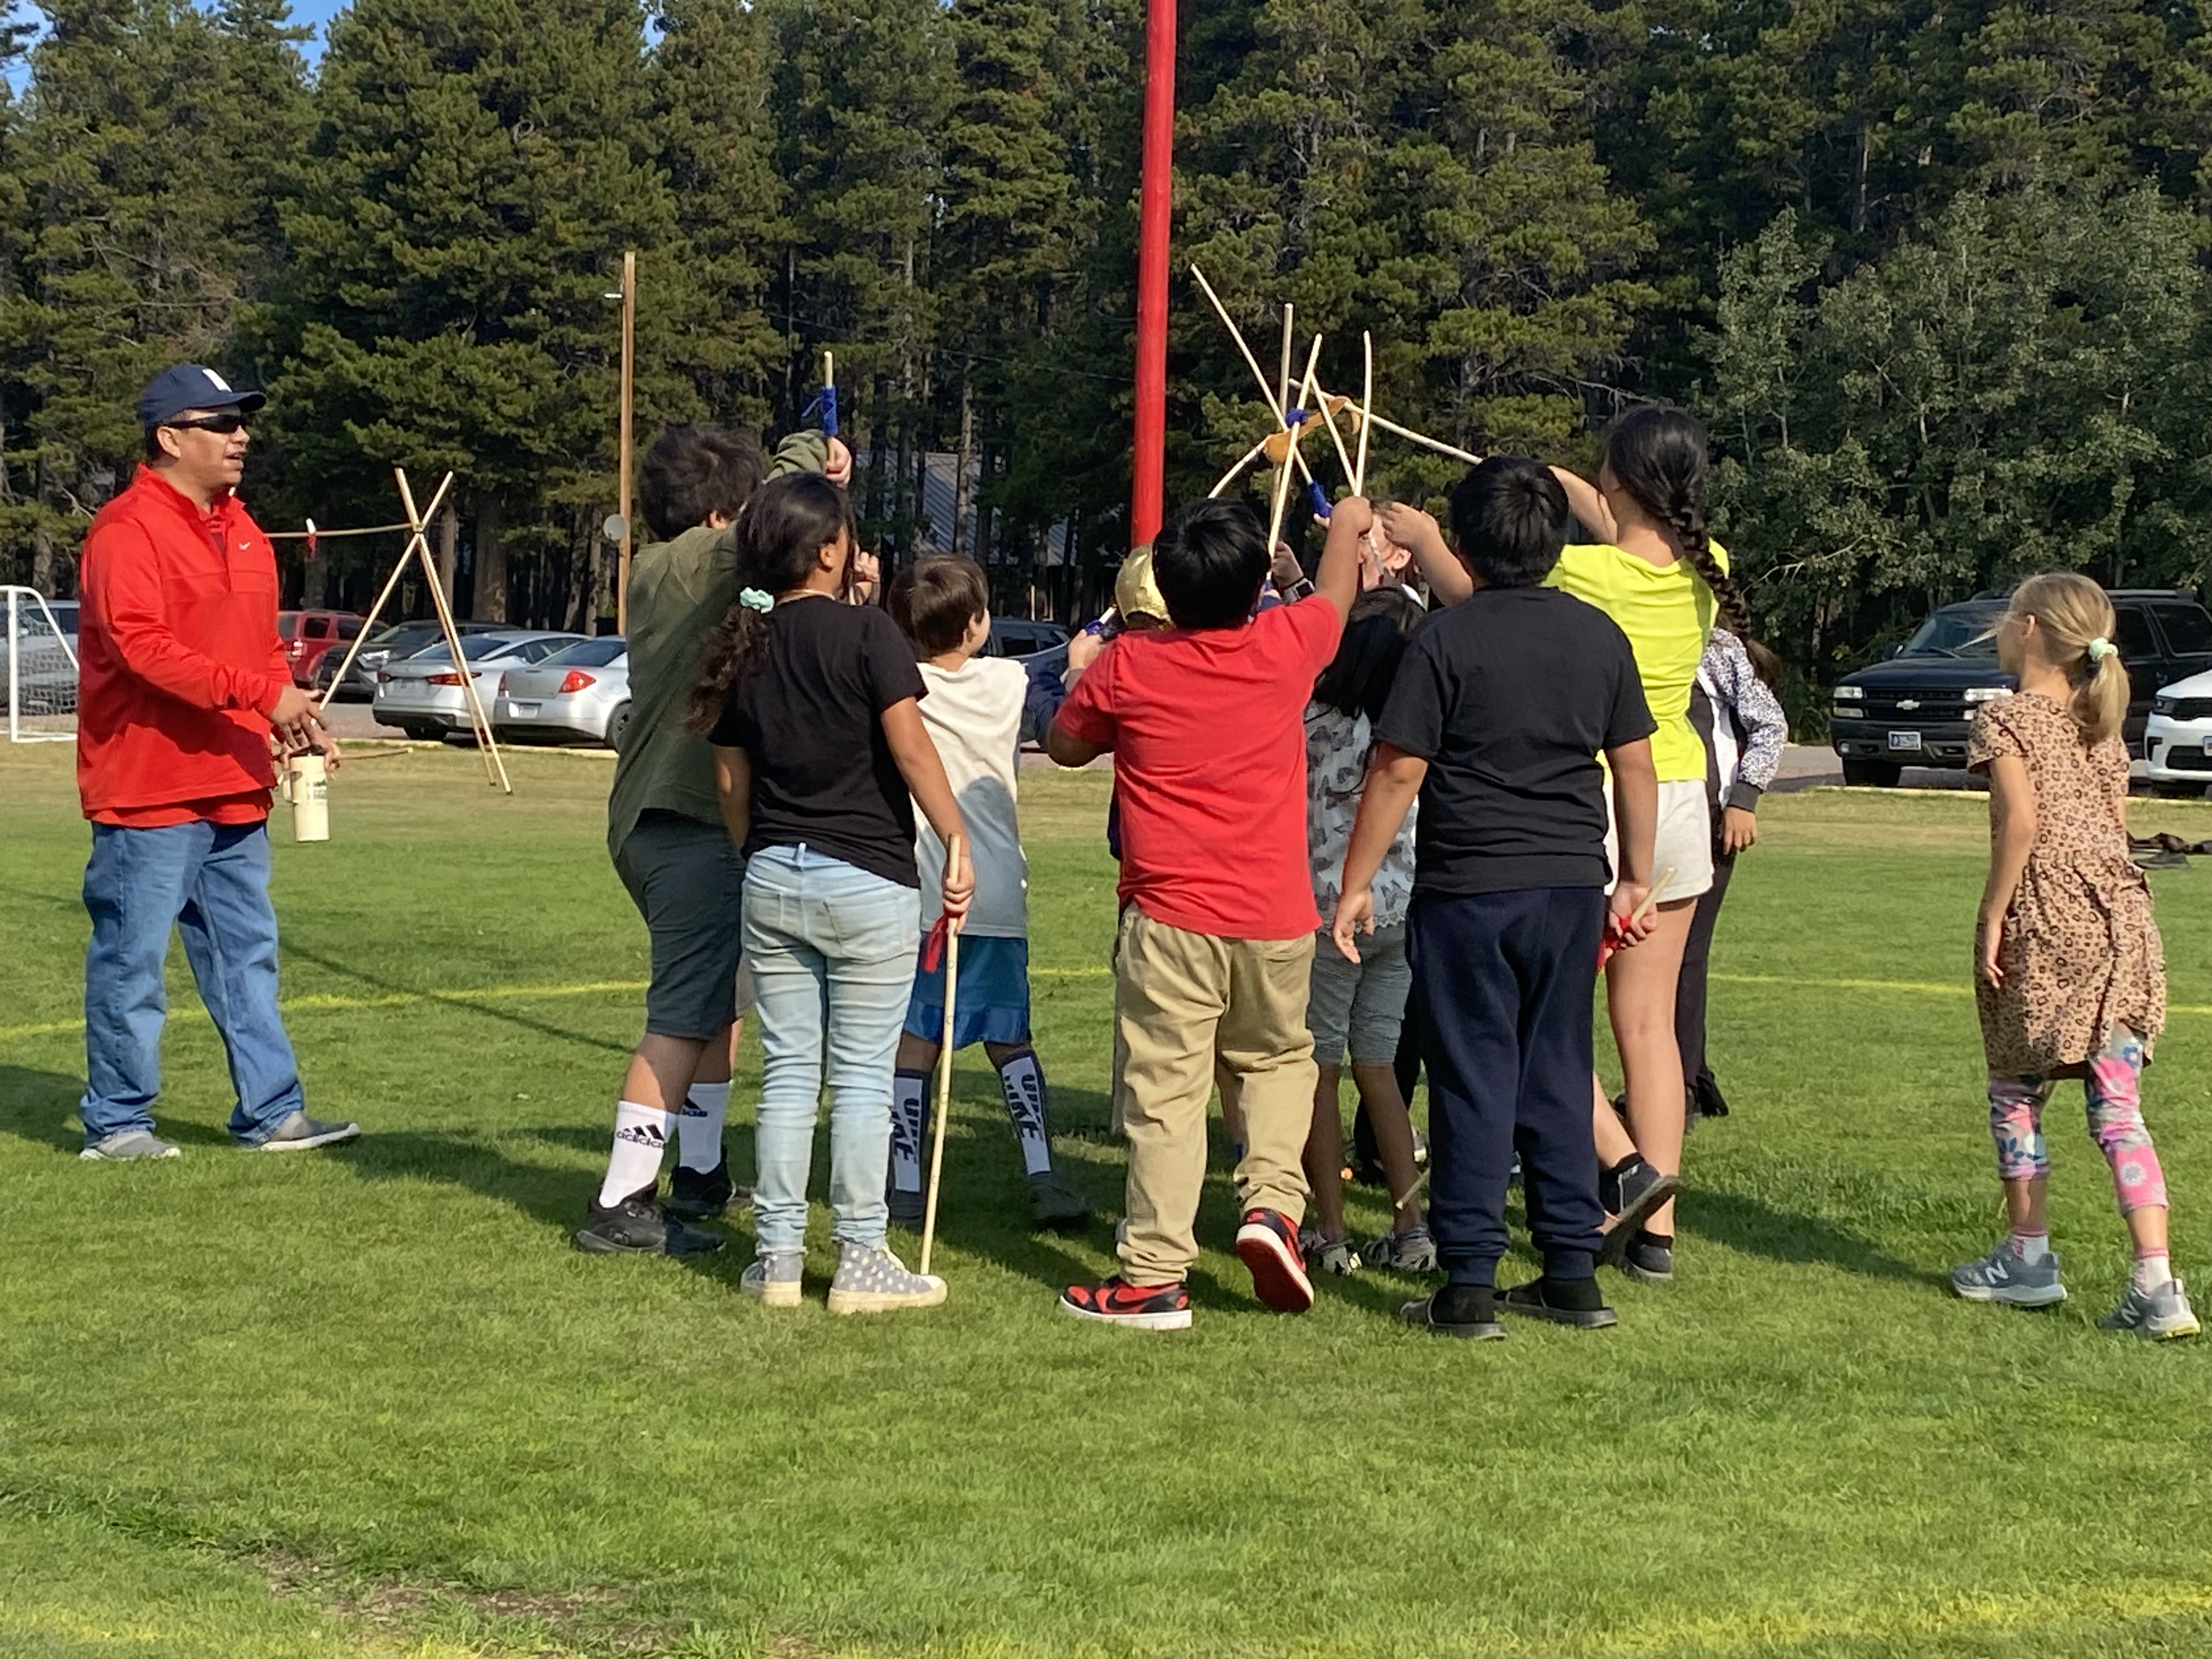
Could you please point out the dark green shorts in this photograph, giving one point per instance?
(689, 884)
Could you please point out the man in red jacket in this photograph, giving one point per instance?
(184, 695)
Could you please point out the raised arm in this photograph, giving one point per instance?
(1585, 502)
(1337, 581)
(1419, 535)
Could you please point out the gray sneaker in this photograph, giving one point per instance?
(2160, 1315)
(299, 1133)
(871, 1279)
(130, 1145)
(1055, 1201)
(773, 1279)
(2004, 1276)
(1410, 1252)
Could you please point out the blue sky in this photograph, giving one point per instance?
(315, 13)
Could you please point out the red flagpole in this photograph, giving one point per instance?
(1149, 462)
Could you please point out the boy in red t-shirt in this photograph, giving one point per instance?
(1205, 722)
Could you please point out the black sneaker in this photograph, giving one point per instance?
(1057, 1202)
(638, 1226)
(1563, 1302)
(906, 1207)
(1267, 1244)
(704, 1195)
(1631, 1191)
(1650, 1257)
(1468, 1311)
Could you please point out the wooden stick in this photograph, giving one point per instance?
(943, 1069)
(1367, 411)
(1335, 436)
(368, 624)
(1283, 473)
(1267, 390)
(1283, 399)
(418, 543)
(1408, 433)
(1230, 476)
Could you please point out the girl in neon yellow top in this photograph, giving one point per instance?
(1661, 578)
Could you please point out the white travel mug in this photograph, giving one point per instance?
(306, 785)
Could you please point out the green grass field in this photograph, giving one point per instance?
(371, 1402)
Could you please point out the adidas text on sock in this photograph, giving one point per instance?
(1022, 1080)
(910, 1111)
(699, 1126)
(641, 1134)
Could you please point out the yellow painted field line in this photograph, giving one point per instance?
(1901, 986)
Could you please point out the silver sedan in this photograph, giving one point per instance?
(578, 692)
(423, 695)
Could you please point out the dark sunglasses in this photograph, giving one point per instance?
(225, 424)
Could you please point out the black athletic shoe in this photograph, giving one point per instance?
(1564, 1302)
(906, 1207)
(638, 1226)
(1467, 1311)
(1650, 1258)
(1629, 1192)
(705, 1194)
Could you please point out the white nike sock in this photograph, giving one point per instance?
(641, 1132)
(1022, 1080)
(909, 1096)
(2152, 1272)
(699, 1126)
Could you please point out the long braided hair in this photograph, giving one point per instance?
(1657, 455)
(782, 532)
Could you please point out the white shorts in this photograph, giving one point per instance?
(1683, 845)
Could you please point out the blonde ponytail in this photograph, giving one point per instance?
(2076, 624)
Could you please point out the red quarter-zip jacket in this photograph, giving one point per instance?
(179, 661)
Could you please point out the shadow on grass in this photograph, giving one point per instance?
(1757, 1228)
(40, 1108)
(460, 1005)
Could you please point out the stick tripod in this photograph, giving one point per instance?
(418, 546)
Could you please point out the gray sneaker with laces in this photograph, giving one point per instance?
(773, 1280)
(2159, 1316)
(298, 1132)
(128, 1146)
(2003, 1275)
(871, 1279)
(1410, 1252)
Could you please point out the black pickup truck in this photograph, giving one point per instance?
(1914, 708)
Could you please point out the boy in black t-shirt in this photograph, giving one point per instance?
(1500, 710)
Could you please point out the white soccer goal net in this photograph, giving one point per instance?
(38, 666)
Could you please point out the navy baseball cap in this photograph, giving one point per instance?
(189, 385)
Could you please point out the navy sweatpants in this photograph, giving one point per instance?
(1506, 980)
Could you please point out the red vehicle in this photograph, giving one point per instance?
(309, 634)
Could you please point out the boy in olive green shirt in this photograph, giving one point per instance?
(665, 834)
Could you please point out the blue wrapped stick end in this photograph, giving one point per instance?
(1318, 497)
(829, 411)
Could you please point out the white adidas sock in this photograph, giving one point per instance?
(909, 1097)
(2153, 1271)
(699, 1126)
(641, 1133)
(1022, 1080)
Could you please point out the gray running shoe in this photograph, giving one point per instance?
(1336, 1256)
(2004, 1276)
(871, 1279)
(299, 1133)
(2159, 1316)
(128, 1146)
(774, 1279)
(1410, 1252)
(1055, 1201)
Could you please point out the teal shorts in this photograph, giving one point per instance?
(993, 1004)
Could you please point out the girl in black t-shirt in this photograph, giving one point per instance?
(821, 755)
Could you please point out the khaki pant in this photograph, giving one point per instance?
(1180, 999)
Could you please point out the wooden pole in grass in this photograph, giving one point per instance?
(943, 1068)
(376, 611)
(494, 767)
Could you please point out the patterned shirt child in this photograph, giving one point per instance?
(1338, 748)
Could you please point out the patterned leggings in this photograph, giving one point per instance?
(2114, 1090)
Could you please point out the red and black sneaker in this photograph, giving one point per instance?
(1267, 1244)
(1141, 1306)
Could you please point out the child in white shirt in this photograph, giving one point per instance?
(974, 713)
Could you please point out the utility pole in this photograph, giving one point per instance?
(1156, 219)
(623, 502)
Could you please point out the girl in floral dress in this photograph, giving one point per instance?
(2070, 977)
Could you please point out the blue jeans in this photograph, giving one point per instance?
(211, 882)
(832, 948)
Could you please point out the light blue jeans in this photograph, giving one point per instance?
(832, 948)
(210, 882)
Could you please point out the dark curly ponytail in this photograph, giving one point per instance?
(779, 537)
(1657, 455)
